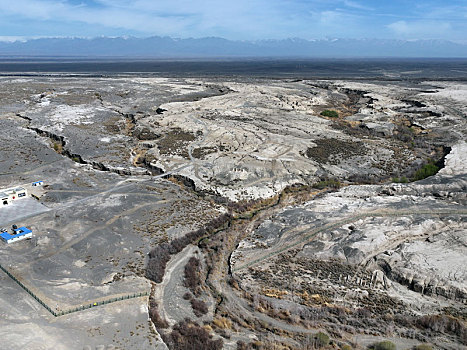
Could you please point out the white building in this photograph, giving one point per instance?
(11, 194)
(18, 235)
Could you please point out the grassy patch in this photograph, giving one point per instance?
(402, 180)
(330, 113)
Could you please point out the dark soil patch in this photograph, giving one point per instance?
(113, 125)
(332, 151)
(201, 152)
(175, 142)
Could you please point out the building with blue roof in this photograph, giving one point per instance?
(18, 234)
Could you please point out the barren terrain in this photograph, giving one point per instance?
(242, 204)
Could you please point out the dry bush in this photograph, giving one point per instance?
(264, 345)
(192, 276)
(222, 322)
(158, 321)
(233, 283)
(160, 255)
(241, 345)
(444, 324)
(199, 307)
(188, 335)
(158, 259)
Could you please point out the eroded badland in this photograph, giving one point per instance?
(237, 205)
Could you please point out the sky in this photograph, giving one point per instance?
(236, 19)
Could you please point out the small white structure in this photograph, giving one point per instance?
(38, 183)
(11, 194)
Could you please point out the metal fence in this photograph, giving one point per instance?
(74, 309)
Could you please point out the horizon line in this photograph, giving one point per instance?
(22, 39)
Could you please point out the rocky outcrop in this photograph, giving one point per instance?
(427, 284)
(143, 133)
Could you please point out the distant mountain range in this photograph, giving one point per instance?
(213, 47)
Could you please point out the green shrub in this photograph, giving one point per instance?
(329, 113)
(346, 347)
(427, 170)
(321, 339)
(423, 347)
(402, 179)
(327, 183)
(384, 345)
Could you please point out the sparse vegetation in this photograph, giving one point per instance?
(175, 142)
(384, 345)
(444, 324)
(332, 151)
(188, 335)
(402, 180)
(321, 339)
(57, 146)
(201, 152)
(423, 347)
(159, 256)
(330, 183)
(362, 178)
(222, 323)
(199, 307)
(158, 321)
(403, 133)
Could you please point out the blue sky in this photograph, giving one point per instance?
(237, 19)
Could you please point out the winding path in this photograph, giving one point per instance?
(303, 237)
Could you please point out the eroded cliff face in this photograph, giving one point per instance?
(393, 248)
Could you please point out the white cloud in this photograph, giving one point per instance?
(175, 18)
(239, 19)
(356, 5)
(420, 29)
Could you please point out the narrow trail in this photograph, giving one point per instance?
(80, 237)
(301, 239)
